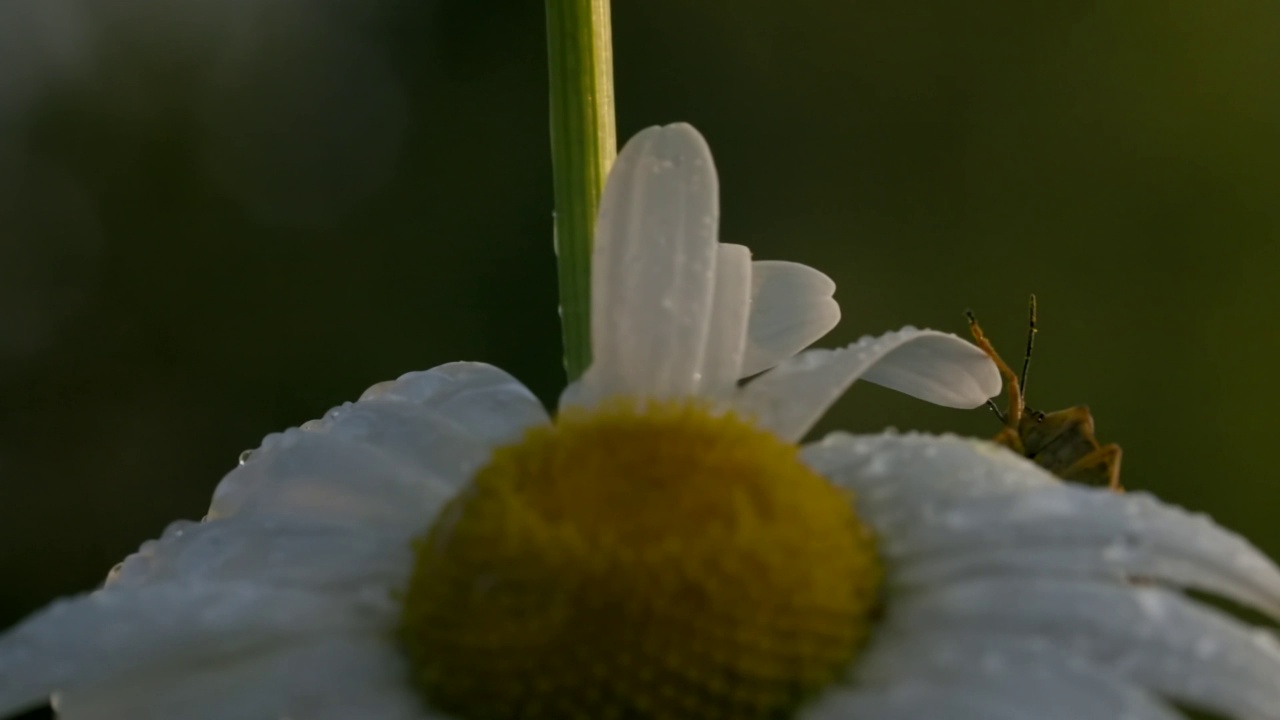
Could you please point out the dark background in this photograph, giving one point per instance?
(218, 218)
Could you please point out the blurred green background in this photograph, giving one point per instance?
(219, 218)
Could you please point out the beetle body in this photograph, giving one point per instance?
(1063, 441)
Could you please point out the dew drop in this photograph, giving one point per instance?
(956, 519)
(244, 456)
(1266, 641)
(1050, 503)
(1206, 647)
(1117, 553)
(176, 529)
(377, 390)
(877, 466)
(1152, 605)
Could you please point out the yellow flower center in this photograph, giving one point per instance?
(639, 561)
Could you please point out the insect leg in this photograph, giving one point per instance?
(1099, 467)
(1014, 416)
(1010, 438)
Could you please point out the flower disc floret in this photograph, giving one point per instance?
(641, 560)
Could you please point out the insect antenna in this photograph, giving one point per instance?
(1031, 342)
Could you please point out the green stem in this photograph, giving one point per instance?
(583, 145)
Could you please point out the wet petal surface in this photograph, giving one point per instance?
(1028, 676)
(337, 677)
(389, 460)
(275, 553)
(1149, 636)
(112, 635)
(791, 307)
(1070, 530)
(727, 334)
(654, 267)
(927, 364)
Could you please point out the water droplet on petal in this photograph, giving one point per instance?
(1046, 504)
(176, 529)
(1117, 553)
(1206, 647)
(244, 456)
(1152, 604)
(377, 390)
(877, 467)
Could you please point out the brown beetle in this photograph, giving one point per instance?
(1061, 442)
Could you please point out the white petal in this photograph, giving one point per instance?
(1066, 530)
(899, 478)
(948, 508)
(117, 633)
(1033, 676)
(272, 553)
(1016, 697)
(934, 366)
(338, 677)
(938, 367)
(654, 266)
(1146, 635)
(390, 459)
(918, 703)
(487, 402)
(791, 307)
(576, 394)
(316, 477)
(727, 335)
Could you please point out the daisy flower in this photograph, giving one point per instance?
(663, 548)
